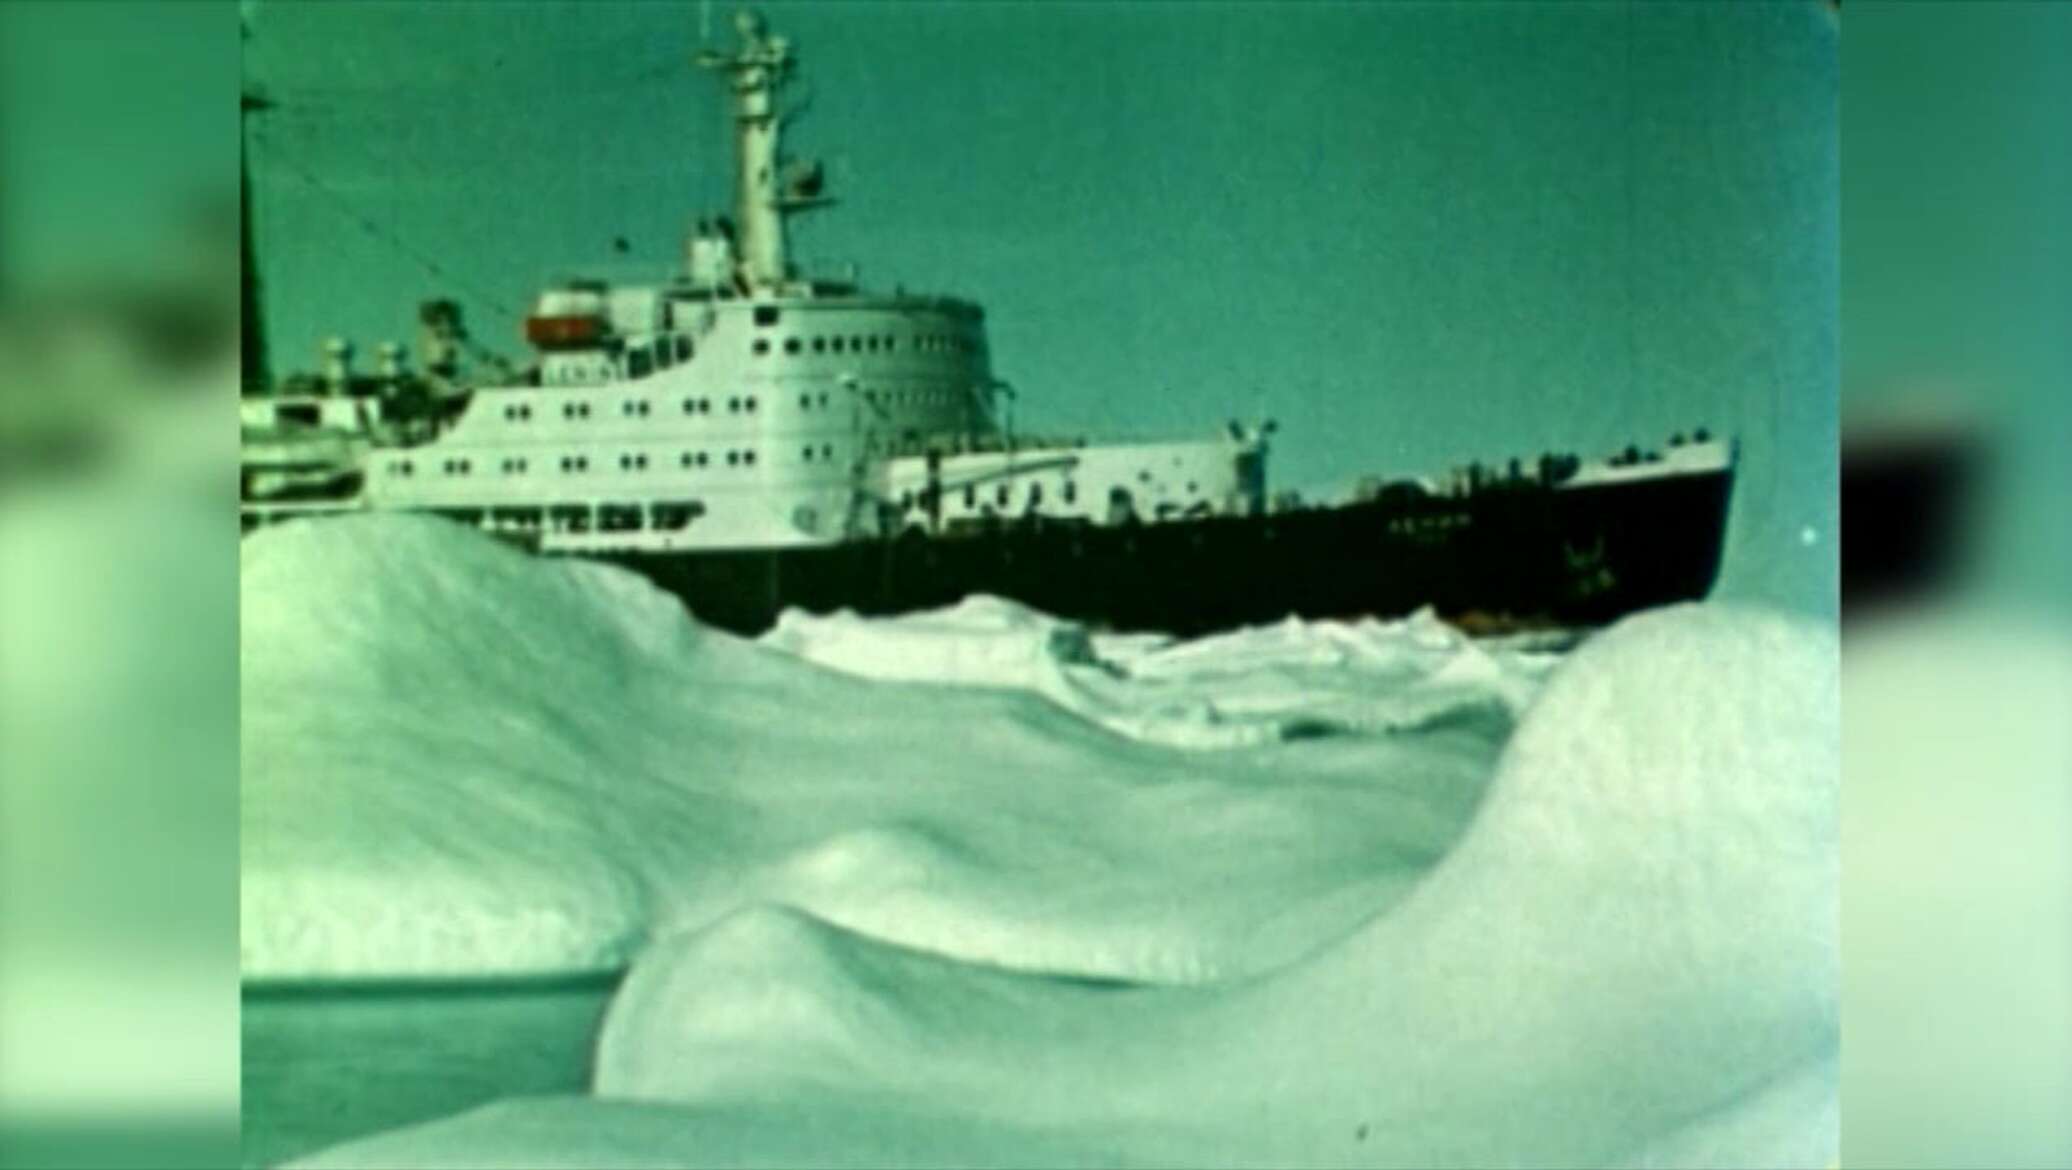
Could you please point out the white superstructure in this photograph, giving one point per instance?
(736, 405)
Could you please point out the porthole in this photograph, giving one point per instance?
(805, 402)
(733, 406)
(820, 345)
(835, 345)
(791, 345)
(749, 404)
(761, 346)
(733, 458)
(748, 457)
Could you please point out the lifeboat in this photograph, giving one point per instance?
(565, 330)
(569, 318)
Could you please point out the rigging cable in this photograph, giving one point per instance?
(385, 235)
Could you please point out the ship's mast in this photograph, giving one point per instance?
(762, 196)
(256, 378)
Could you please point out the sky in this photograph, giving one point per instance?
(1411, 234)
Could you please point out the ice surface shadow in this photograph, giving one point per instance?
(326, 1062)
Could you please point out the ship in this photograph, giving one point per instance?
(753, 438)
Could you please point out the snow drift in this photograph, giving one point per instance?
(463, 761)
(1009, 910)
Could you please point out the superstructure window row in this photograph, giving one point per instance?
(638, 408)
(660, 516)
(739, 404)
(864, 343)
(574, 464)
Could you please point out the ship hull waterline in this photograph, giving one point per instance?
(1583, 556)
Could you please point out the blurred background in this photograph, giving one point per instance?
(1957, 645)
(118, 557)
(118, 584)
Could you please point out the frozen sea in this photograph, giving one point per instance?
(538, 871)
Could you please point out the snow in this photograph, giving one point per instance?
(981, 887)
(462, 761)
(1249, 686)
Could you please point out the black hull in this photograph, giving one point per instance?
(1507, 555)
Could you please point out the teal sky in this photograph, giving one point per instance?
(1414, 234)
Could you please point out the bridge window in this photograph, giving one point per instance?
(675, 515)
(569, 517)
(683, 348)
(766, 314)
(516, 517)
(619, 518)
(638, 363)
